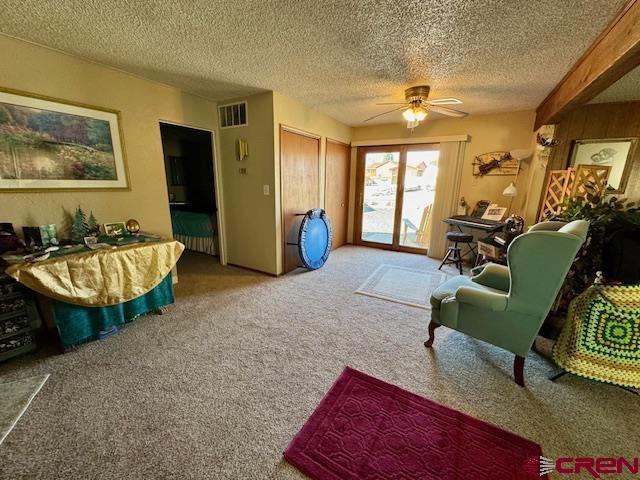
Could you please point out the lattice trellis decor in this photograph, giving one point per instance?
(555, 192)
(594, 175)
(571, 183)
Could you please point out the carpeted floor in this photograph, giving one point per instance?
(217, 387)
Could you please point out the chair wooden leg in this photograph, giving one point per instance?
(518, 370)
(432, 327)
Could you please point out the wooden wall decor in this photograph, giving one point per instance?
(495, 163)
(618, 153)
(555, 192)
(595, 176)
(571, 183)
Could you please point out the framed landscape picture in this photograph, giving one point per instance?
(49, 144)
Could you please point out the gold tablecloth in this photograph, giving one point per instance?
(102, 277)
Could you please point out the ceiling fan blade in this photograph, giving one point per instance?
(445, 101)
(384, 113)
(393, 103)
(448, 111)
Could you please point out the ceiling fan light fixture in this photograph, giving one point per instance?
(418, 107)
(420, 114)
(409, 115)
(415, 114)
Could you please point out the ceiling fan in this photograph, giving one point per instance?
(417, 107)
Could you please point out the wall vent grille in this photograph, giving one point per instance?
(233, 115)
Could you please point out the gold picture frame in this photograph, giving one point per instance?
(617, 153)
(50, 144)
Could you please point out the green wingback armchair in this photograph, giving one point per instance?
(505, 306)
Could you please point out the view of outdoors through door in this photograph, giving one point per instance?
(397, 194)
(419, 191)
(380, 192)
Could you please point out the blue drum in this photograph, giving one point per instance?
(314, 239)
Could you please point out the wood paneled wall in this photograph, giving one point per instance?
(601, 120)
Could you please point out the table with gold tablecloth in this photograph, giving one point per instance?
(601, 337)
(90, 292)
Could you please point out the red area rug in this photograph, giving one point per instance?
(365, 428)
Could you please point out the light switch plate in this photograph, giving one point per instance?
(265, 189)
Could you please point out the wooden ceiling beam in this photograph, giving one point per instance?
(613, 54)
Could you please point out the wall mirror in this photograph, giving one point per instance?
(617, 153)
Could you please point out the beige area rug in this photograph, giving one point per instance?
(410, 286)
(15, 398)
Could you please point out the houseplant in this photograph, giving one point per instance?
(606, 215)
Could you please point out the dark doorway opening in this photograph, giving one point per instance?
(189, 168)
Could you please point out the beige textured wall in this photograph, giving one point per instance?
(250, 215)
(292, 113)
(499, 131)
(253, 218)
(142, 105)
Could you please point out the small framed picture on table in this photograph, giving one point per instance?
(114, 229)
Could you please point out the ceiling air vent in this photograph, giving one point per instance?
(233, 115)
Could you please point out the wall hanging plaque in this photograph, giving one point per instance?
(495, 163)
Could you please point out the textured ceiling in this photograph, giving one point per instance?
(340, 57)
(624, 90)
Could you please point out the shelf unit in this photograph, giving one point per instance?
(19, 319)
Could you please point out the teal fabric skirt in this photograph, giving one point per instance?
(77, 324)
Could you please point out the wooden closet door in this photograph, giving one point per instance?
(337, 169)
(299, 177)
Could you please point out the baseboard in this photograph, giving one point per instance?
(252, 269)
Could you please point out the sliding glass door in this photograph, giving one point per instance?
(396, 187)
(380, 194)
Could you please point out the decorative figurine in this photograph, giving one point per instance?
(133, 227)
(79, 228)
(93, 227)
